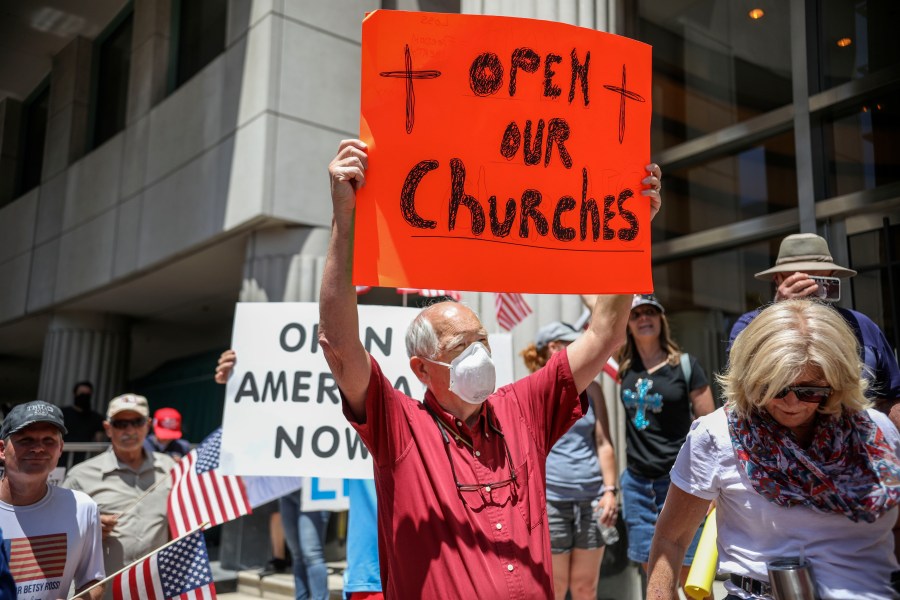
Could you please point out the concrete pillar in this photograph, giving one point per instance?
(10, 143)
(594, 14)
(284, 265)
(150, 40)
(84, 345)
(67, 120)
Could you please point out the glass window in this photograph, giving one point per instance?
(856, 38)
(750, 183)
(201, 36)
(875, 255)
(34, 119)
(862, 145)
(113, 68)
(705, 295)
(713, 64)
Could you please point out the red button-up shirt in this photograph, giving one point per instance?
(437, 542)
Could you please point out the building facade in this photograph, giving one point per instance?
(161, 160)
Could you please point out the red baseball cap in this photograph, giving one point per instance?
(167, 424)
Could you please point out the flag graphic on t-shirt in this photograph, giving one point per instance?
(38, 557)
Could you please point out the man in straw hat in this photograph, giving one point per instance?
(805, 255)
(53, 535)
(130, 485)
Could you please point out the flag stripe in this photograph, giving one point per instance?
(145, 579)
(155, 580)
(132, 583)
(511, 309)
(117, 586)
(198, 511)
(212, 504)
(200, 494)
(38, 557)
(180, 570)
(239, 495)
(176, 520)
(611, 368)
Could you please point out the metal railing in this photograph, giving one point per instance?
(70, 449)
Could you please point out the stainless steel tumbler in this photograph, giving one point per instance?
(791, 578)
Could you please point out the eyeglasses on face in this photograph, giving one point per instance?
(806, 393)
(124, 423)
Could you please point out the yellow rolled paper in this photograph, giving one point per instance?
(703, 569)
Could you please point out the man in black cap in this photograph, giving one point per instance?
(53, 534)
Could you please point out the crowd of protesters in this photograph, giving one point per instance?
(507, 493)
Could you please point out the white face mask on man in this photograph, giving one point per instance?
(472, 374)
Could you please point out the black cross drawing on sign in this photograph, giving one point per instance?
(409, 75)
(626, 94)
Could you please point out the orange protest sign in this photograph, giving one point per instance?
(505, 154)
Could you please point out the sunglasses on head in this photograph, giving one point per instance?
(806, 393)
(637, 313)
(124, 423)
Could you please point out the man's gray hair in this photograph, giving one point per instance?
(421, 339)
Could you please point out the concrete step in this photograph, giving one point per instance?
(280, 586)
(236, 596)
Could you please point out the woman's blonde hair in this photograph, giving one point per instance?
(625, 354)
(780, 343)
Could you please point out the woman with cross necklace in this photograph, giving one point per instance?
(663, 390)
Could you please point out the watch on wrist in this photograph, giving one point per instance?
(609, 488)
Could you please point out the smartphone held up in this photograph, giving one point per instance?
(829, 288)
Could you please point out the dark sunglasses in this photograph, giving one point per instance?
(637, 313)
(124, 423)
(806, 393)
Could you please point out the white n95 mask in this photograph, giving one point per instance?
(472, 374)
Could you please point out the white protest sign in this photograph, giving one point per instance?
(283, 411)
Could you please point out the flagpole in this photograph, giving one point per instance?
(144, 495)
(151, 553)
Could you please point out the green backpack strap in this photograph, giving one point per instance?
(686, 369)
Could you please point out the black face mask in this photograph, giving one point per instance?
(83, 401)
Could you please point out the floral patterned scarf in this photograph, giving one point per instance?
(849, 468)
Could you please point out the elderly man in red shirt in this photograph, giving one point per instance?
(460, 476)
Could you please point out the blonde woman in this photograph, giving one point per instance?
(581, 481)
(797, 463)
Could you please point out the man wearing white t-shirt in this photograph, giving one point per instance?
(53, 535)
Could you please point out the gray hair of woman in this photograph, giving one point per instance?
(785, 338)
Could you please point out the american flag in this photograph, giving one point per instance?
(177, 571)
(199, 494)
(611, 368)
(431, 293)
(511, 309)
(37, 557)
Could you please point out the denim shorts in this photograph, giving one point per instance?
(572, 525)
(642, 501)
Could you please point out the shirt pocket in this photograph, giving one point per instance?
(531, 501)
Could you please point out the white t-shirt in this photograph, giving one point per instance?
(849, 560)
(53, 543)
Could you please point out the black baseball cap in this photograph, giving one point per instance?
(37, 411)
